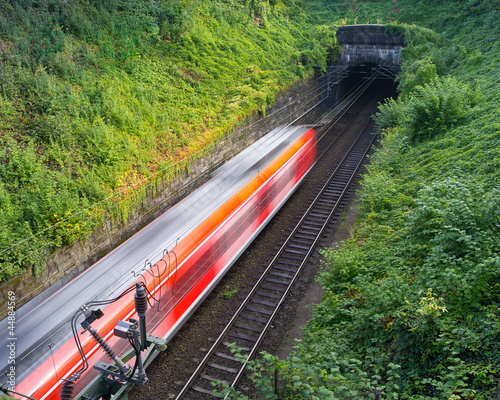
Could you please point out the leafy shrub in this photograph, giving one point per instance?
(419, 73)
(391, 113)
(328, 379)
(429, 110)
(171, 20)
(436, 107)
(457, 223)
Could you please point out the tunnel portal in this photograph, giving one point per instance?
(368, 51)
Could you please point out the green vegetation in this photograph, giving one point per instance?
(412, 299)
(103, 102)
(229, 293)
(101, 97)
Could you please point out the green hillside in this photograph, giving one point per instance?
(411, 303)
(101, 100)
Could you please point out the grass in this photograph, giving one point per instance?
(229, 293)
(104, 103)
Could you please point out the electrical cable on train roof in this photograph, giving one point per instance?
(137, 338)
(90, 316)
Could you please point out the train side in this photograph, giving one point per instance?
(183, 276)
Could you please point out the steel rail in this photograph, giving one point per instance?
(313, 246)
(332, 124)
(266, 273)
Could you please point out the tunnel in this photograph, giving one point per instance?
(353, 76)
(367, 52)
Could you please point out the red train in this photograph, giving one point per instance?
(206, 232)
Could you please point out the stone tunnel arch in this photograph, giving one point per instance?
(366, 50)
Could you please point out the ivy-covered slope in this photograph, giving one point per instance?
(412, 299)
(97, 97)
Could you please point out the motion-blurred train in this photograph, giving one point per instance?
(180, 257)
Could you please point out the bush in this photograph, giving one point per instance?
(456, 225)
(429, 110)
(437, 107)
(419, 73)
(390, 114)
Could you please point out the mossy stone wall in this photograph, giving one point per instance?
(75, 258)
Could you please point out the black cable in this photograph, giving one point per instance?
(106, 302)
(175, 276)
(79, 346)
(159, 285)
(75, 330)
(165, 270)
(150, 271)
(137, 355)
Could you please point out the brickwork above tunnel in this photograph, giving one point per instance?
(368, 44)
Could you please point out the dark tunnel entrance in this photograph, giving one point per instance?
(367, 50)
(341, 85)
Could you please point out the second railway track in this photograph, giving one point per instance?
(254, 316)
(258, 308)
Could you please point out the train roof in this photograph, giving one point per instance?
(40, 323)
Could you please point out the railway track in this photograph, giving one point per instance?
(254, 316)
(173, 368)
